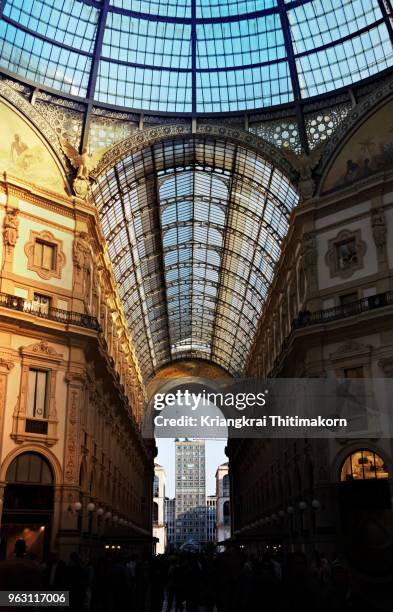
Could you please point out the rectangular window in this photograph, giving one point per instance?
(44, 255)
(37, 402)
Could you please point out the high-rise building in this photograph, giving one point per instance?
(190, 491)
(211, 517)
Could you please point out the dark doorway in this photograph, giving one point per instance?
(28, 506)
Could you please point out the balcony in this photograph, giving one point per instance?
(320, 317)
(373, 302)
(42, 311)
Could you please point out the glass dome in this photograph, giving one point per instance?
(195, 56)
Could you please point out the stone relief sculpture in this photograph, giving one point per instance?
(378, 225)
(10, 227)
(304, 165)
(81, 255)
(345, 253)
(84, 165)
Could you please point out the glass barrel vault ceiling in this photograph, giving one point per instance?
(194, 230)
(195, 56)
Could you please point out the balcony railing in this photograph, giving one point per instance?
(44, 311)
(307, 318)
(346, 310)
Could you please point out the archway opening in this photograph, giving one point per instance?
(28, 507)
(366, 510)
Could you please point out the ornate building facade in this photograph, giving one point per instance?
(243, 219)
(71, 390)
(329, 315)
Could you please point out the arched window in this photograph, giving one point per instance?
(155, 512)
(30, 468)
(363, 465)
(225, 485)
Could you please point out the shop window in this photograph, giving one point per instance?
(363, 465)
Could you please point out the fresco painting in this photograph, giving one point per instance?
(369, 150)
(24, 155)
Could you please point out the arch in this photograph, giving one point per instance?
(192, 384)
(39, 126)
(194, 222)
(29, 468)
(83, 474)
(150, 136)
(349, 449)
(359, 115)
(34, 448)
(363, 464)
(92, 481)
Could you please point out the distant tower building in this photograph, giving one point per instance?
(223, 503)
(190, 492)
(211, 502)
(159, 529)
(169, 519)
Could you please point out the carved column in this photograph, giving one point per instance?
(379, 230)
(75, 400)
(68, 536)
(6, 365)
(81, 257)
(307, 272)
(10, 238)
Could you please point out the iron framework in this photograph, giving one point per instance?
(194, 227)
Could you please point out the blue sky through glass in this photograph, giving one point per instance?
(194, 55)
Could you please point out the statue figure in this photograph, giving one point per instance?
(83, 163)
(379, 227)
(81, 251)
(304, 165)
(11, 224)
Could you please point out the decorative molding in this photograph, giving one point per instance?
(59, 256)
(148, 137)
(10, 226)
(386, 364)
(44, 356)
(35, 117)
(349, 348)
(378, 224)
(352, 120)
(41, 348)
(6, 363)
(345, 253)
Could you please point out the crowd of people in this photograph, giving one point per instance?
(231, 581)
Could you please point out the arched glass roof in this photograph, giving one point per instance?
(195, 56)
(194, 229)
